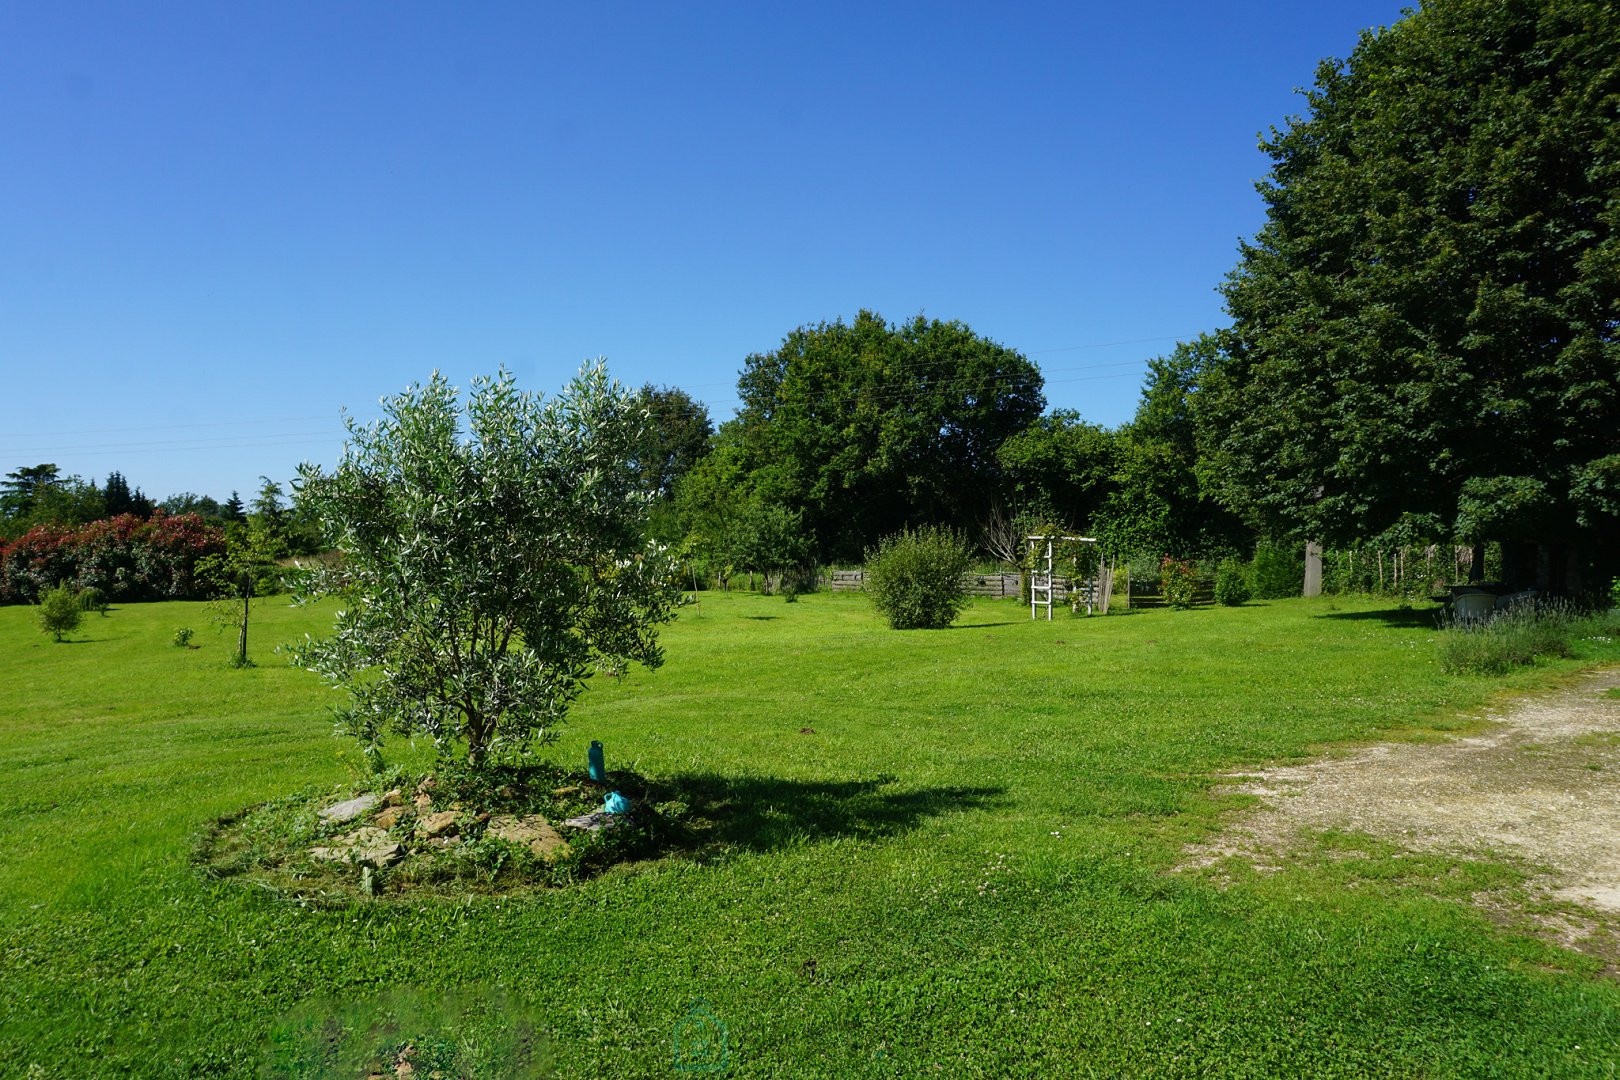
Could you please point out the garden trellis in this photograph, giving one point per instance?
(1042, 558)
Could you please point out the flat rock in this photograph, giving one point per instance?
(437, 824)
(387, 819)
(531, 829)
(351, 809)
(595, 821)
(367, 844)
(423, 802)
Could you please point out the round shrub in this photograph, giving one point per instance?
(1232, 583)
(915, 577)
(1180, 582)
(59, 611)
(92, 599)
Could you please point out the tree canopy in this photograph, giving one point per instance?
(486, 572)
(1428, 323)
(675, 437)
(865, 428)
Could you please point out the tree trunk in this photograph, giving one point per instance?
(241, 638)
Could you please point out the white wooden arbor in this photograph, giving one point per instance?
(1040, 574)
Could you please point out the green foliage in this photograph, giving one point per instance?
(245, 569)
(1614, 593)
(92, 598)
(1595, 491)
(1159, 499)
(1232, 586)
(182, 637)
(59, 611)
(767, 537)
(675, 438)
(1502, 507)
(1410, 571)
(1179, 579)
(1060, 468)
(118, 499)
(1425, 325)
(39, 495)
(867, 428)
(1279, 570)
(487, 573)
(914, 577)
(1509, 639)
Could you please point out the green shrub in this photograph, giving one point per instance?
(1614, 593)
(59, 611)
(1279, 571)
(92, 599)
(182, 637)
(1232, 583)
(1179, 579)
(1510, 639)
(915, 578)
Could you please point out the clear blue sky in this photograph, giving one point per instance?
(221, 224)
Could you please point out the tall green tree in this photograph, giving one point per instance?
(21, 490)
(41, 495)
(866, 427)
(1427, 328)
(1060, 468)
(675, 438)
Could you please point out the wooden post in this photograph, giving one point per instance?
(1313, 568)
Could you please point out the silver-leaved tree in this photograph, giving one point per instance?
(490, 560)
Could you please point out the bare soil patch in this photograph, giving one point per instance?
(1540, 786)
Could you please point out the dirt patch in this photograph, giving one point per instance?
(1540, 786)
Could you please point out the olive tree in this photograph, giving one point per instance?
(491, 559)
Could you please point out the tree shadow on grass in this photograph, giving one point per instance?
(977, 625)
(1406, 618)
(763, 813)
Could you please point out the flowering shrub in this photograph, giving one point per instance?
(36, 562)
(125, 558)
(1180, 582)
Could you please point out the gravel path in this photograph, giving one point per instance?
(1541, 784)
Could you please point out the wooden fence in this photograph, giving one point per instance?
(1005, 585)
(1150, 594)
(1139, 594)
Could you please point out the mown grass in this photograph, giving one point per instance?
(964, 868)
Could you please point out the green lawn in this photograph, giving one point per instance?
(963, 870)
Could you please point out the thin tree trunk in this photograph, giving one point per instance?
(241, 640)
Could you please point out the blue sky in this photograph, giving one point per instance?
(221, 225)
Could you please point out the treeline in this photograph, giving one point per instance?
(1424, 352)
(57, 530)
(849, 433)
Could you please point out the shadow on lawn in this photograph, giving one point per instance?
(762, 813)
(1408, 618)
